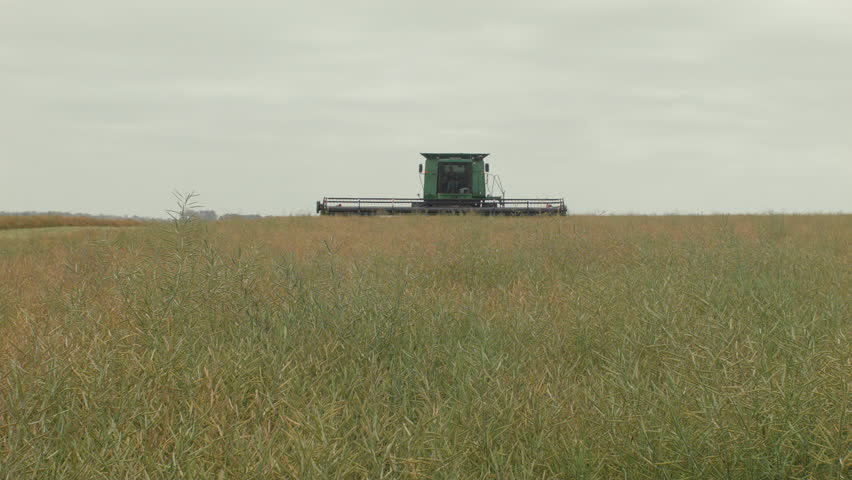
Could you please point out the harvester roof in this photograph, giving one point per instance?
(454, 156)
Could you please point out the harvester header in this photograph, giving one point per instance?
(453, 183)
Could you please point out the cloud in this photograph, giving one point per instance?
(264, 106)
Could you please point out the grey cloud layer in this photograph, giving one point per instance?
(653, 106)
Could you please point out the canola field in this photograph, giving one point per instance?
(702, 347)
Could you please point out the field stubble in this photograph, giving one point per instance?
(453, 347)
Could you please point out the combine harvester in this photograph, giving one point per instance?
(453, 183)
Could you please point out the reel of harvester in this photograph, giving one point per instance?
(453, 183)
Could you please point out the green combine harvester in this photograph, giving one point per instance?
(453, 183)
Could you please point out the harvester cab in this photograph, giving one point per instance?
(453, 183)
(458, 176)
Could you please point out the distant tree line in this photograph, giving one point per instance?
(81, 215)
(206, 215)
(10, 222)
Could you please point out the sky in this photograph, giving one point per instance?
(261, 106)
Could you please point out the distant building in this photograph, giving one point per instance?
(209, 215)
(234, 216)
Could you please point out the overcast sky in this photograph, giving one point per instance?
(653, 106)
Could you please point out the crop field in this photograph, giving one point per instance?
(9, 222)
(711, 347)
